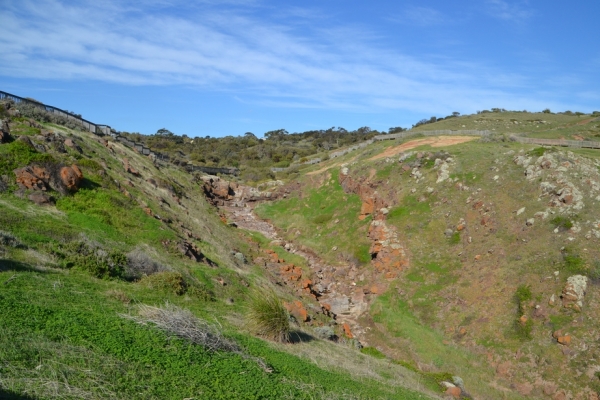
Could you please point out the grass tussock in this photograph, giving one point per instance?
(267, 317)
(183, 324)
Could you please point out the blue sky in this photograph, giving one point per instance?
(226, 67)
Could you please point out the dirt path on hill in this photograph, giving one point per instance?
(438, 141)
(337, 164)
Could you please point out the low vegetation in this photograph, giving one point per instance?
(267, 317)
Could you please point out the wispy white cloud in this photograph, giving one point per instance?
(512, 10)
(235, 51)
(422, 16)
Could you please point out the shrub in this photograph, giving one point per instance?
(90, 257)
(561, 222)
(139, 264)
(573, 263)
(454, 238)
(324, 332)
(522, 296)
(547, 111)
(523, 330)
(267, 317)
(321, 219)
(537, 152)
(172, 282)
(10, 240)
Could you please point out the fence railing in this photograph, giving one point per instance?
(85, 124)
(105, 130)
(588, 144)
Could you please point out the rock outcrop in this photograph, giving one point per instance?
(63, 179)
(574, 291)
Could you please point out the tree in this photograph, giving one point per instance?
(455, 114)
(164, 132)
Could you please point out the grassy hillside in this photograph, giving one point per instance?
(79, 270)
(491, 248)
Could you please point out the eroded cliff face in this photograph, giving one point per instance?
(388, 254)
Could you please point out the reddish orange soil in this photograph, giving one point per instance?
(438, 141)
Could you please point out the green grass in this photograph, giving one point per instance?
(110, 215)
(17, 155)
(321, 216)
(60, 332)
(409, 205)
(373, 352)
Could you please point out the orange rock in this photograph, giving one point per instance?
(462, 331)
(454, 392)
(523, 320)
(347, 331)
(557, 333)
(148, 211)
(564, 340)
(367, 208)
(32, 177)
(306, 283)
(460, 227)
(326, 307)
(297, 310)
(478, 257)
(71, 177)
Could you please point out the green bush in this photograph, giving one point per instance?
(91, 258)
(522, 296)
(321, 219)
(267, 317)
(523, 330)
(537, 152)
(561, 222)
(8, 239)
(573, 263)
(171, 282)
(454, 238)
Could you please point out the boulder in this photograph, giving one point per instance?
(71, 177)
(574, 291)
(25, 140)
(32, 177)
(71, 144)
(5, 132)
(41, 198)
(298, 310)
(453, 392)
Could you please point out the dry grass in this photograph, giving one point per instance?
(183, 324)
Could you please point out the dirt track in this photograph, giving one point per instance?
(437, 141)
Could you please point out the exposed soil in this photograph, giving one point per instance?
(438, 141)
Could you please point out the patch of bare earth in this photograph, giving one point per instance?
(438, 141)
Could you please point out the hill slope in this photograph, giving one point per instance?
(93, 236)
